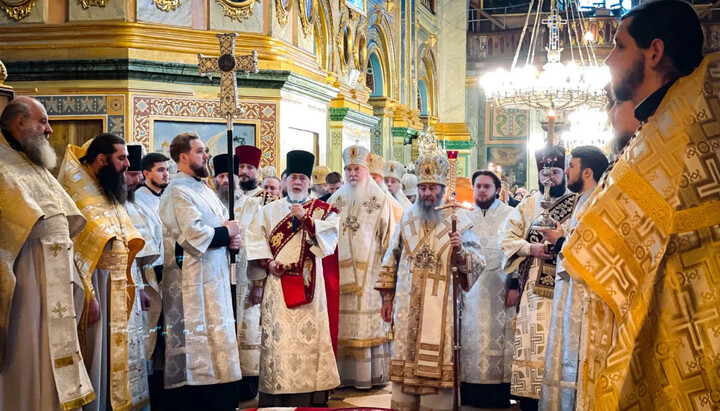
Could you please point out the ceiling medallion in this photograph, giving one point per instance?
(17, 10)
(167, 5)
(237, 10)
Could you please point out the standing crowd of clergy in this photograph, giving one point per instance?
(123, 286)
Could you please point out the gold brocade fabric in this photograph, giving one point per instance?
(34, 205)
(648, 247)
(106, 221)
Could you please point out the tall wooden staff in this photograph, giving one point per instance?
(227, 65)
(453, 205)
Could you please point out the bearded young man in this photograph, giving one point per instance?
(534, 261)
(367, 224)
(286, 249)
(248, 162)
(647, 244)
(246, 308)
(587, 164)
(417, 292)
(38, 220)
(487, 337)
(202, 365)
(104, 252)
(155, 171)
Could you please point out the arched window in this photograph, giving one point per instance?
(422, 98)
(374, 76)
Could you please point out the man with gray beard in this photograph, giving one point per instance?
(415, 283)
(40, 365)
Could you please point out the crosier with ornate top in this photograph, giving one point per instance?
(453, 205)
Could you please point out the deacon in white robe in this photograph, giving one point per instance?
(534, 261)
(562, 371)
(247, 313)
(285, 248)
(488, 322)
(145, 258)
(201, 358)
(155, 169)
(41, 368)
(416, 283)
(367, 224)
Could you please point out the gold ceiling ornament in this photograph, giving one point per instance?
(17, 9)
(360, 45)
(237, 10)
(344, 41)
(167, 5)
(3, 73)
(282, 9)
(308, 14)
(86, 4)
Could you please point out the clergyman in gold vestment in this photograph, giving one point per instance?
(104, 252)
(41, 368)
(648, 244)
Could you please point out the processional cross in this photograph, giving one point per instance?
(227, 65)
(554, 21)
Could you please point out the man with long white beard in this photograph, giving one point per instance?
(247, 309)
(417, 292)
(285, 248)
(202, 365)
(155, 170)
(487, 343)
(40, 365)
(143, 262)
(367, 224)
(394, 171)
(376, 167)
(104, 252)
(534, 261)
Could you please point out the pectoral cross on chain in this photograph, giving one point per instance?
(227, 64)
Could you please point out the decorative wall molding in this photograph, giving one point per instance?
(307, 16)
(282, 9)
(17, 10)
(86, 4)
(237, 9)
(146, 108)
(167, 5)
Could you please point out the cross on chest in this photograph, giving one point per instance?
(227, 65)
(436, 277)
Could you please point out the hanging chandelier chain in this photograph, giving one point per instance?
(522, 36)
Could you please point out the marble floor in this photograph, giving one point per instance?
(376, 397)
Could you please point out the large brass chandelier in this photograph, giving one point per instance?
(557, 86)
